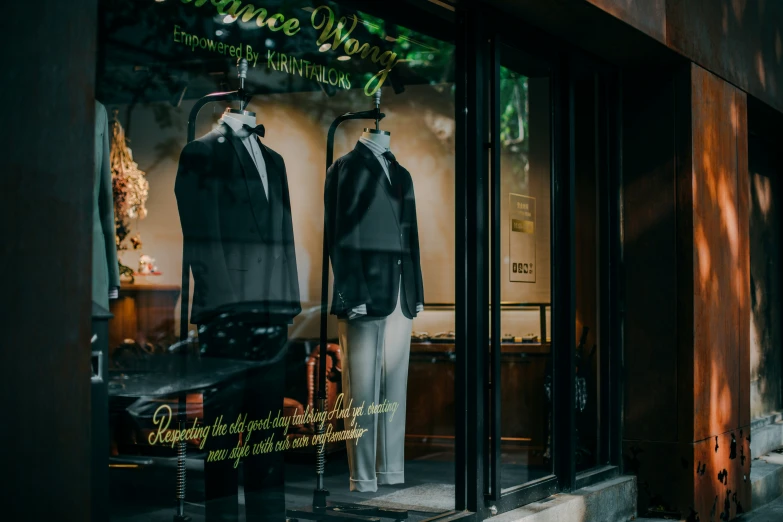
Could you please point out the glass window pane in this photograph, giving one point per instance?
(245, 206)
(526, 354)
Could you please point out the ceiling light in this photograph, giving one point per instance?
(325, 47)
(344, 58)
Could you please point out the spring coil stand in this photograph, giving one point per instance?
(181, 480)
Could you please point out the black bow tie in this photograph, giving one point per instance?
(389, 156)
(255, 130)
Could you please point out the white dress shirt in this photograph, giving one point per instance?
(377, 151)
(251, 144)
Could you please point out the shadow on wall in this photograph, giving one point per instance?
(740, 40)
(687, 292)
(765, 281)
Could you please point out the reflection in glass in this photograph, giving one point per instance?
(526, 406)
(245, 202)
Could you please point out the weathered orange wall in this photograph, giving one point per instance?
(721, 287)
(687, 330)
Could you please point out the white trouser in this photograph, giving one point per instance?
(375, 368)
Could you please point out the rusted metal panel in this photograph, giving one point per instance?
(648, 16)
(717, 284)
(721, 484)
(739, 40)
(744, 304)
(692, 480)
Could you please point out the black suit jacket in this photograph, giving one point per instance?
(240, 246)
(372, 236)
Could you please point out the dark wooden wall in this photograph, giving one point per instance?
(687, 329)
(46, 171)
(739, 41)
(649, 237)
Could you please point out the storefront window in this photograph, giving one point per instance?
(214, 390)
(526, 353)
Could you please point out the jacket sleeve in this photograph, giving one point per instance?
(414, 247)
(197, 188)
(106, 207)
(289, 248)
(344, 242)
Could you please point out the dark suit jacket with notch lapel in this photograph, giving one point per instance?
(373, 237)
(240, 246)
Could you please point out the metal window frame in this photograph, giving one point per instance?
(478, 53)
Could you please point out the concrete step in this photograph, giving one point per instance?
(766, 477)
(772, 512)
(609, 501)
(767, 434)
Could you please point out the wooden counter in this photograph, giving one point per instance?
(431, 380)
(143, 313)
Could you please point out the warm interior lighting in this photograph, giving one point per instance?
(344, 58)
(325, 47)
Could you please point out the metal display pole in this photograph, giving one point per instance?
(184, 318)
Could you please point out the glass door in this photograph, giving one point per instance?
(521, 372)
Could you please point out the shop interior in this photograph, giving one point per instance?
(149, 82)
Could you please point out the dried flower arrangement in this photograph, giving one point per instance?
(131, 190)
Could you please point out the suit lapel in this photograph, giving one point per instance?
(380, 177)
(274, 176)
(255, 189)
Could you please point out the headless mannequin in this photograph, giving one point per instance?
(260, 391)
(375, 370)
(239, 119)
(382, 139)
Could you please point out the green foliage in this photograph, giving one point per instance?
(514, 121)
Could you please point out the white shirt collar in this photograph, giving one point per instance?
(376, 149)
(236, 126)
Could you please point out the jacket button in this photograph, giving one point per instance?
(399, 261)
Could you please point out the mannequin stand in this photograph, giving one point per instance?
(321, 509)
(184, 346)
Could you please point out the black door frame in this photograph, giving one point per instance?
(480, 30)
